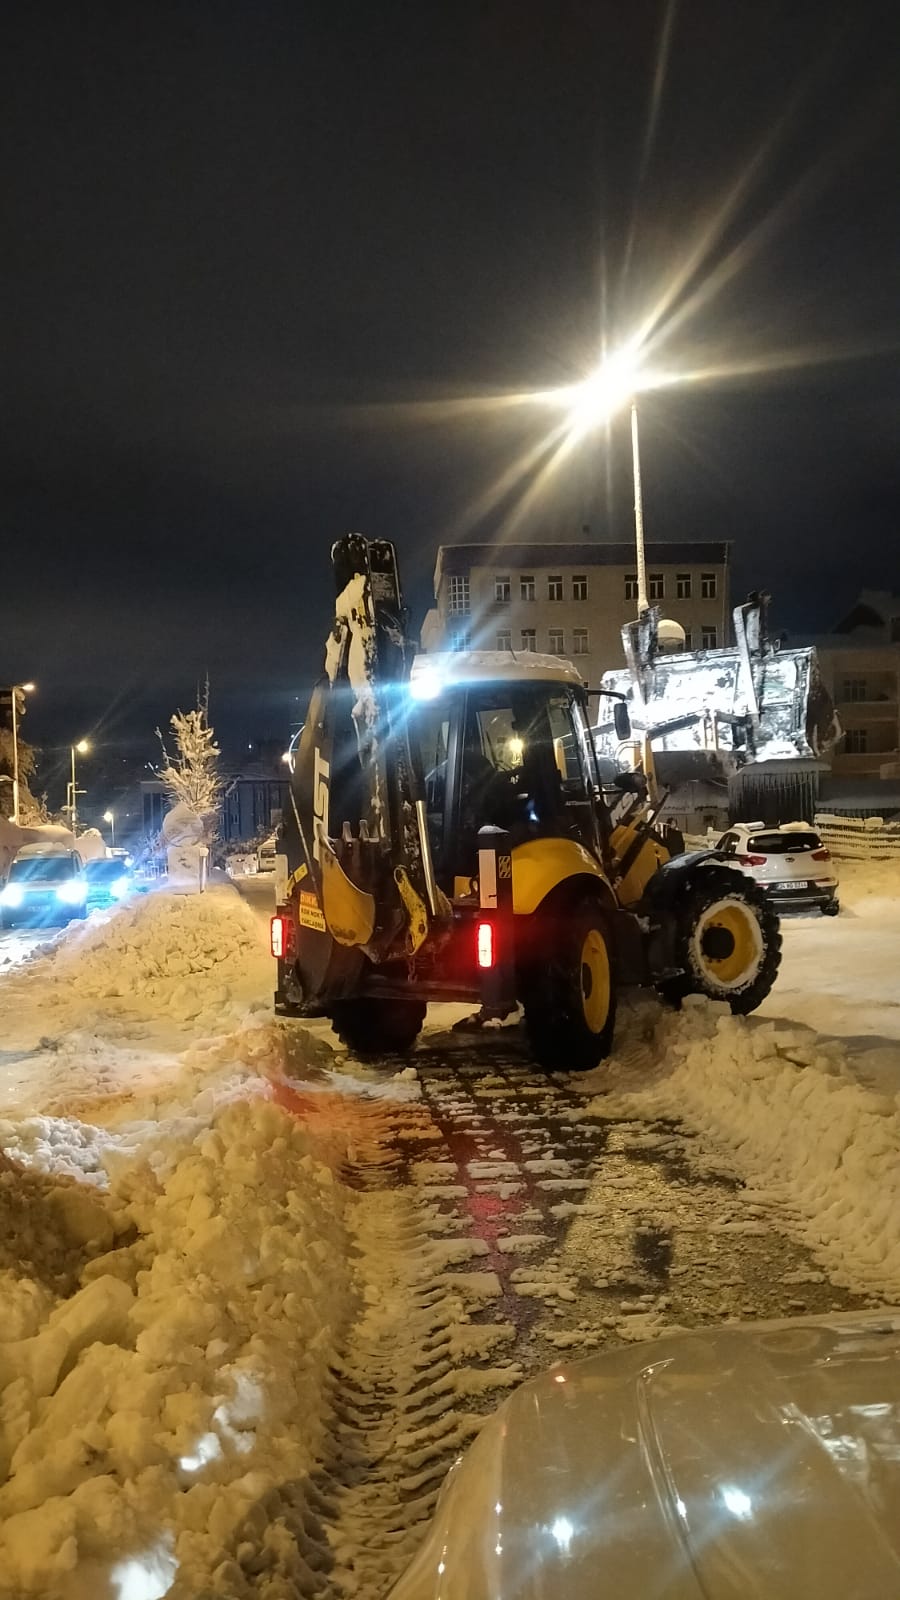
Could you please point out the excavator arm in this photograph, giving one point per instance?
(360, 876)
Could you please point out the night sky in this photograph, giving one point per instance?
(250, 249)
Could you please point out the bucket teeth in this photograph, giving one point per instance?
(347, 833)
(364, 830)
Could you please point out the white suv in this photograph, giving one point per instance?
(790, 863)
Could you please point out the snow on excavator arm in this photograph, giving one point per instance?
(356, 791)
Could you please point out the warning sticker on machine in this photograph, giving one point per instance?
(310, 912)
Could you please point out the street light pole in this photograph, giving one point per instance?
(82, 746)
(642, 601)
(17, 688)
(110, 817)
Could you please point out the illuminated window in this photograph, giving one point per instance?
(458, 594)
(631, 586)
(708, 586)
(682, 586)
(529, 639)
(656, 586)
(708, 638)
(557, 641)
(504, 639)
(579, 587)
(501, 591)
(579, 641)
(526, 588)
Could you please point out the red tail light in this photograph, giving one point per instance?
(280, 936)
(821, 855)
(485, 945)
(752, 861)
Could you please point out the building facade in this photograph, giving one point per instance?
(860, 662)
(573, 599)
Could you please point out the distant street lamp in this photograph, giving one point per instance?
(17, 689)
(82, 748)
(110, 817)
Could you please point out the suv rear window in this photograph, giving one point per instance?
(785, 844)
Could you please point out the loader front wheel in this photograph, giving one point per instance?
(729, 941)
(570, 996)
(370, 1027)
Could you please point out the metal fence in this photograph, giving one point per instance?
(860, 838)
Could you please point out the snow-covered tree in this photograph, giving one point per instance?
(31, 810)
(191, 770)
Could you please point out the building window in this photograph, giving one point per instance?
(857, 741)
(557, 641)
(504, 639)
(461, 639)
(554, 588)
(856, 689)
(529, 639)
(708, 638)
(579, 641)
(708, 586)
(631, 586)
(656, 586)
(459, 594)
(501, 591)
(579, 586)
(688, 639)
(526, 588)
(682, 586)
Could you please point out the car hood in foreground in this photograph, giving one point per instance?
(754, 1463)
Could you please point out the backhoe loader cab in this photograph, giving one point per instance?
(452, 836)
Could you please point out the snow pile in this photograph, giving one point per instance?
(863, 882)
(803, 1133)
(151, 953)
(160, 1424)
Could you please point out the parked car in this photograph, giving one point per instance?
(733, 1463)
(790, 862)
(265, 855)
(44, 887)
(108, 881)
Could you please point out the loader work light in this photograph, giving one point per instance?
(485, 945)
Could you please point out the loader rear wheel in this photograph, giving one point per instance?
(728, 943)
(370, 1027)
(570, 998)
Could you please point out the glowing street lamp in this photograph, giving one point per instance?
(110, 817)
(17, 689)
(616, 383)
(82, 748)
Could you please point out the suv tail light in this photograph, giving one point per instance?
(821, 855)
(485, 945)
(752, 861)
(280, 932)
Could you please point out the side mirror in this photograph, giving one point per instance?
(621, 720)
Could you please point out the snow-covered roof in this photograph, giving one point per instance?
(490, 666)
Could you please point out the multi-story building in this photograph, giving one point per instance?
(860, 662)
(573, 599)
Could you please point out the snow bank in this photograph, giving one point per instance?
(862, 882)
(801, 1131)
(160, 1422)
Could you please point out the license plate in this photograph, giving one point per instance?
(794, 883)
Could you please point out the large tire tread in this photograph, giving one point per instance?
(709, 885)
(557, 1033)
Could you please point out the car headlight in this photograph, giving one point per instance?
(119, 887)
(12, 895)
(72, 893)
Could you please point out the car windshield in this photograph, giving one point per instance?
(41, 869)
(785, 844)
(104, 871)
